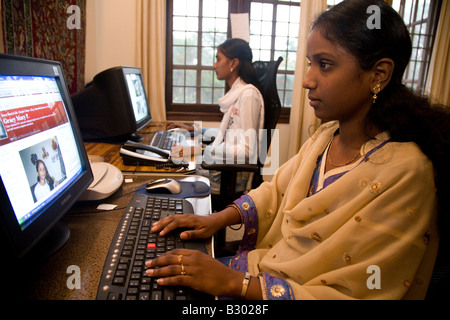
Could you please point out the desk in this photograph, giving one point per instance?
(110, 152)
(91, 234)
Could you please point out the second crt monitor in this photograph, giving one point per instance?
(113, 106)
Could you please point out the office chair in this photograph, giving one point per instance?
(267, 73)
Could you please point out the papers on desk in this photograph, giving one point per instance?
(240, 26)
(106, 207)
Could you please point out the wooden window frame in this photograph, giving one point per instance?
(430, 36)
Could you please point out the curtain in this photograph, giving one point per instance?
(437, 83)
(48, 30)
(302, 115)
(151, 51)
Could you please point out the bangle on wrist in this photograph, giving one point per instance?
(245, 284)
(240, 213)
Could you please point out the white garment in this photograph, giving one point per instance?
(40, 191)
(243, 108)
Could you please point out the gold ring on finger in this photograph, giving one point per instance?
(183, 271)
(180, 259)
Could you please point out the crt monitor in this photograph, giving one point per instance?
(113, 106)
(44, 167)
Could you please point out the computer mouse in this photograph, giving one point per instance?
(163, 186)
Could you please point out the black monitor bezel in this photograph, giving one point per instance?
(20, 242)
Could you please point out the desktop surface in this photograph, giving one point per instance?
(85, 253)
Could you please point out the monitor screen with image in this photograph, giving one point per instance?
(113, 106)
(44, 168)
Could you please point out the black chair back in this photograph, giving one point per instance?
(267, 76)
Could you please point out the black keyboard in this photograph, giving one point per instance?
(166, 139)
(124, 276)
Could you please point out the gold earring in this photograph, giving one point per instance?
(376, 91)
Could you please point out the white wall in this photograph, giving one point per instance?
(111, 38)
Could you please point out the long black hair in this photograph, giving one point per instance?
(240, 49)
(406, 115)
(48, 178)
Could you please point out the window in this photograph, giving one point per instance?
(421, 17)
(273, 33)
(197, 27)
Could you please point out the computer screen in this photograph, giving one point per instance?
(137, 96)
(43, 163)
(113, 106)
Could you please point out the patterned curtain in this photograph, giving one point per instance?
(48, 29)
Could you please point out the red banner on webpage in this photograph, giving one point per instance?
(18, 124)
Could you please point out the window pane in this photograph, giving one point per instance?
(191, 56)
(294, 15)
(191, 95)
(291, 61)
(283, 13)
(191, 38)
(281, 43)
(267, 12)
(218, 93)
(290, 81)
(179, 24)
(185, 8)
(208, 56)
(207, 96)
(191, 24)
(179, 7)
(287, 101)
(178, 55)
(282, 29)
(220, 38)
(179, 38)
(178, 95)
(178, 77)
(207, 78)
(209, 25)
(218, 83)
(191, 78)
(255, 27)
(208, 39)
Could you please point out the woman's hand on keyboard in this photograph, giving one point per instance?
(174, 125)
(190, 268)
(202, 227)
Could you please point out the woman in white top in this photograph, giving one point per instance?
(45, 183)
(242, 106)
